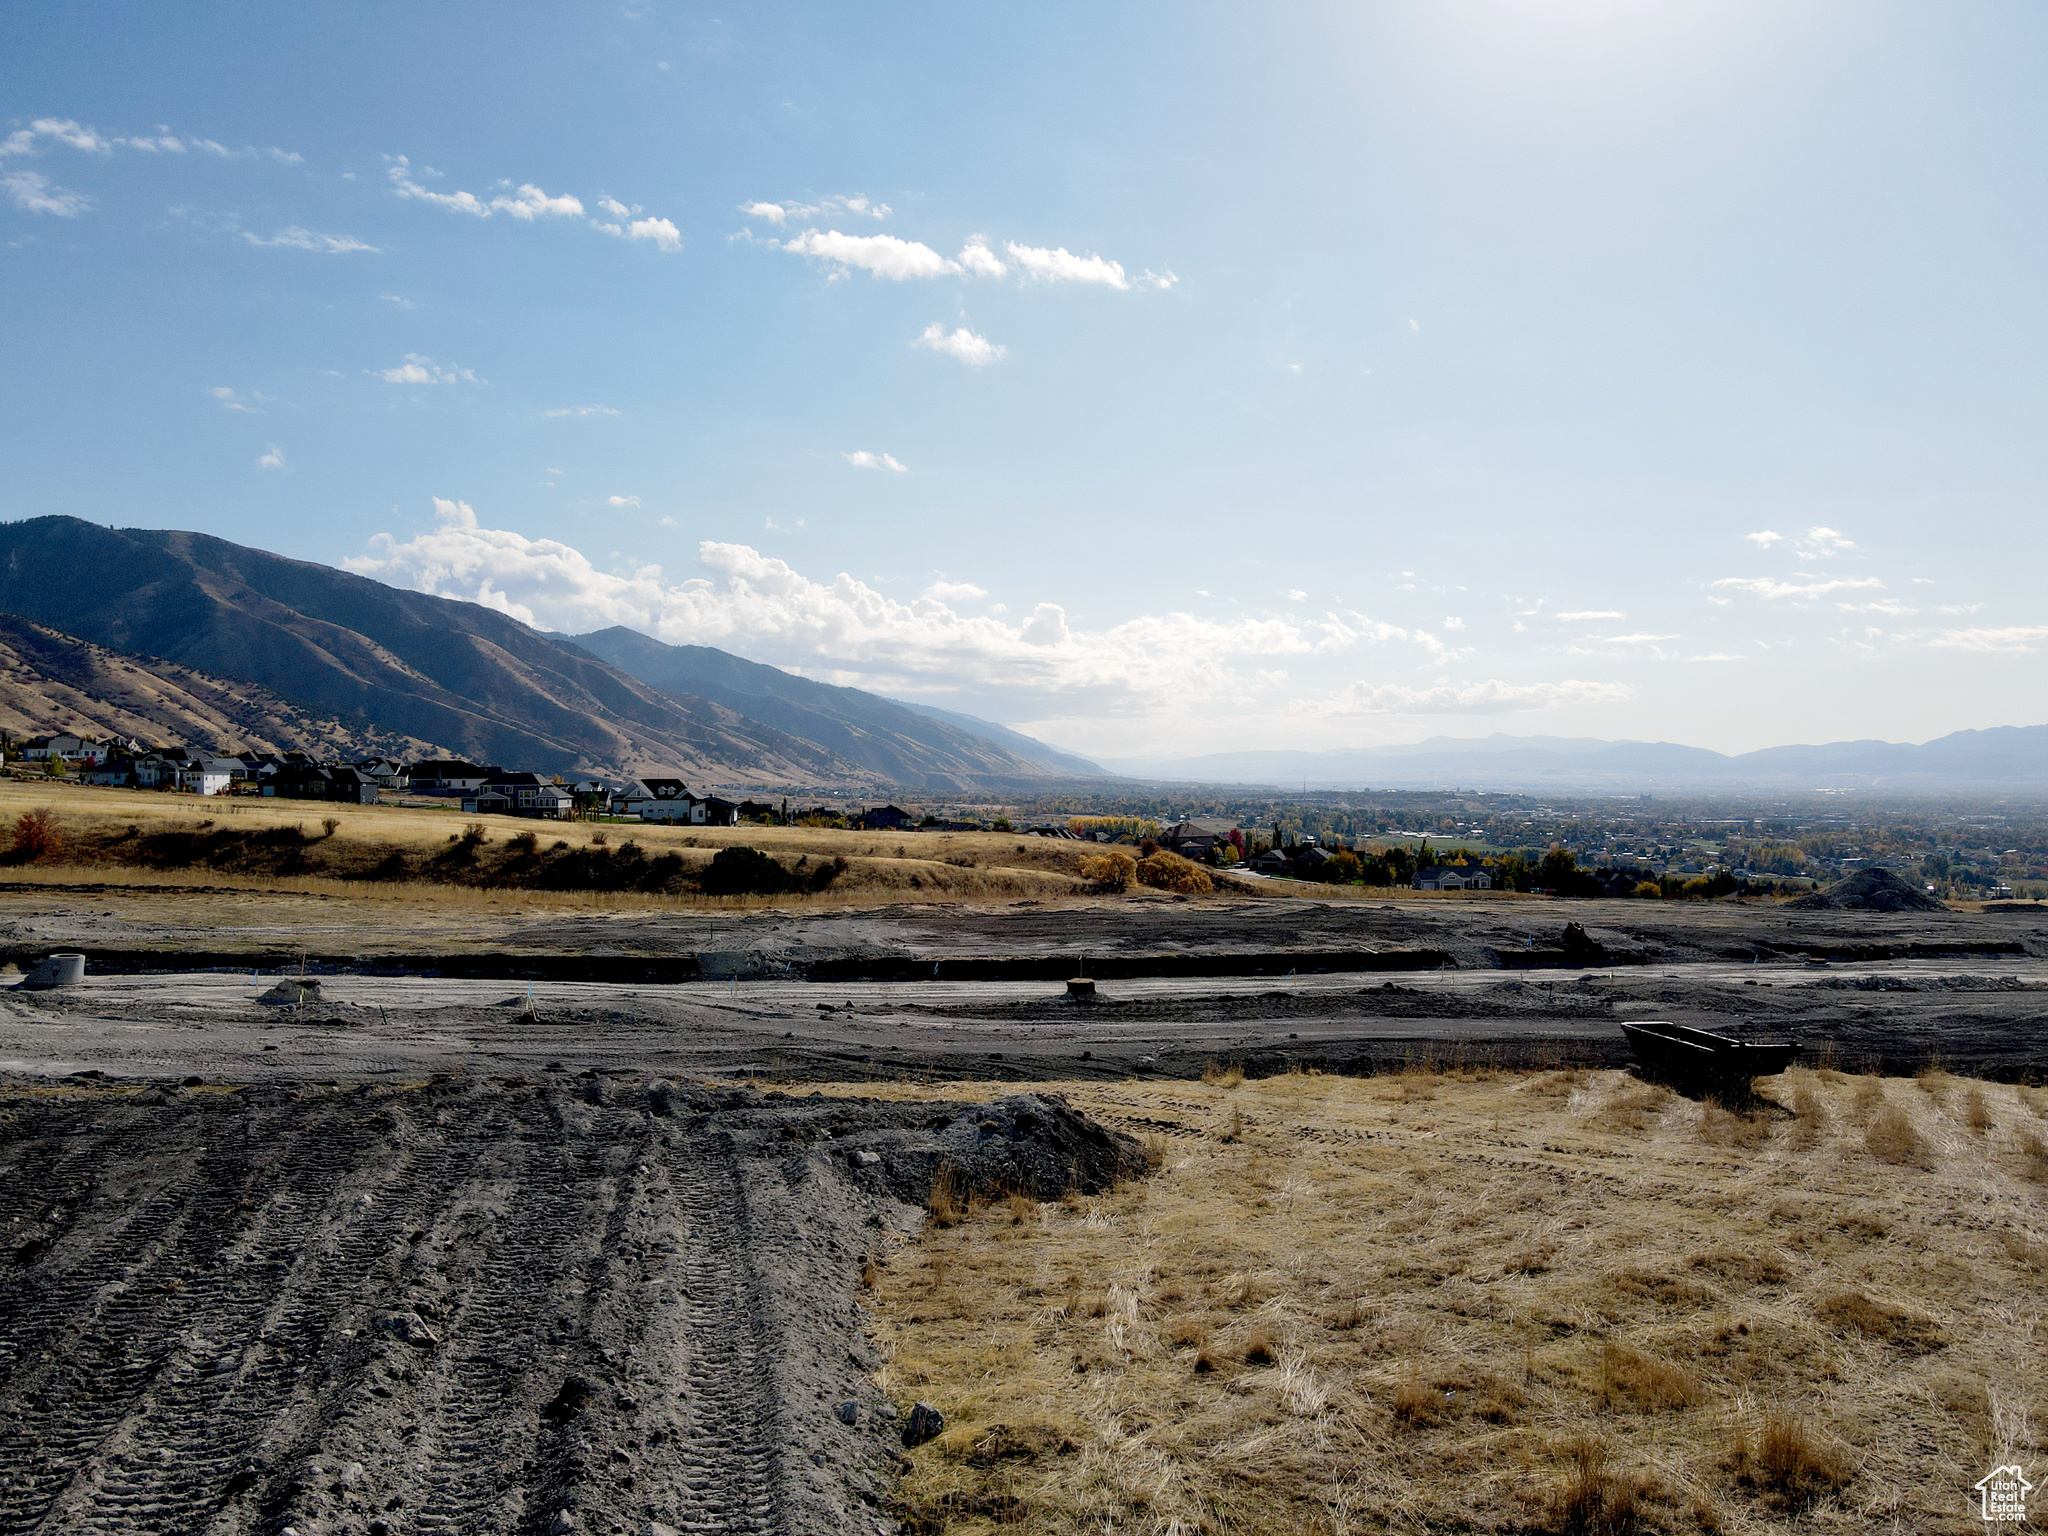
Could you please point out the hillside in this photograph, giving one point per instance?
(915, 747)
(436, 669)
(51, 681)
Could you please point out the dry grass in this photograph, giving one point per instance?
(1891, 1137)
(1506, 1306)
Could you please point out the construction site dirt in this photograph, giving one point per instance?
(309, 1240)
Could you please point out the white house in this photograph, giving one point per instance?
(73, 749)
(1449, 877)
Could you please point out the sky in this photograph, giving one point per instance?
(1156, 379)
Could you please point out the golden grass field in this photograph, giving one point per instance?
(923, 866)
(1561, 1302)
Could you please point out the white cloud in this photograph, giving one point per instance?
(274, 459)
(579, 410)
(976, 257)
(784, 213)
(1294, 595)
(530, 203)
(615, 208)
(298, 239)
(1891, 607)
(954, 592)
(231, 401)
(883, 255)
(1768, 587)
(65, 131)
(1591, 613)
(614, 501)
(975, 351)
(1765, 539)
(34, 193)
(1631, 639)
(664, 234)
(1161, 280)
(1492, 697)
(844, 629)
(398, 301)
(424, 370)
(1062, 266)
(1822, 544)
(164, 144)
(1454, 623)
(2012, 638)
(862, 459)
(403, 183)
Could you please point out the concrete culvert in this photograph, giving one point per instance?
(56, 971)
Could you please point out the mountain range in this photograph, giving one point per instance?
(2006, 758)
(377, 663)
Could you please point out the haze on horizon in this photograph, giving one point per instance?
(1159, 381)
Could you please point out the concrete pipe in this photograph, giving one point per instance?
(56, 971)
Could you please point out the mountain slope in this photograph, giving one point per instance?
(906, 745)
(472, 679)
(2007, 757)
(1030, 748)
(51, 681)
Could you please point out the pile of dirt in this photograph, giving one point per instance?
(1868, 890)
(584, 1305)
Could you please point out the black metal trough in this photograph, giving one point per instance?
(1681, 1054)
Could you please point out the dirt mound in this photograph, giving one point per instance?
(1868, 890)
(571, 1305)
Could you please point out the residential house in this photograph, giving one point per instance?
(451, 777)
(118, 770)
(1452, 877)
(72, 749)
(1192, 839)
(885, 818)
(382, 772)
(629, 797)
(521, 794)
(718, 813)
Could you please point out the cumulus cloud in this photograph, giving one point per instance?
(579, 410)
(424, 370)
(610, 501)
(784, 213)
(1492, 697)
(35, 193)
(1061, 266)
(883, 255)
(1822, 544)
(976, 257)
(1765, 539)
(975, 351)
(530, 203)
(862, 459)
(274, 459)
(2026, 637)
(954, 592)
(845, 629)
(664, 234)
(1770, 587)
(1591, 613)
(298, 239)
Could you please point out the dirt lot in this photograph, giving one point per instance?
(431, 1246)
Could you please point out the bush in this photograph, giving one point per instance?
(1648, 890)
(1114, 871)
(1165, 871)
(745, 872)
(35, 837)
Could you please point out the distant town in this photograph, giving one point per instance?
(1620, 846)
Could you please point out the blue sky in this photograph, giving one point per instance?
(1160, 379)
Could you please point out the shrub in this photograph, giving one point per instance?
(948, 1202)
(35, 837)
(1789, 1461)
(330, 825)
(1648, 890)
(743, 872)
(1111, 871)
(1164, 871)
(1880, 1320)
(1890, 1138)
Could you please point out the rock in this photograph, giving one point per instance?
(574, 1396)
(847, 1412)
(597, 1088)
(565, 1523)
(866, 1159)
(925, 1424)
(409, 1328)
(656, 1528)
(661, 1098)
(292, 991)
(885, 1411)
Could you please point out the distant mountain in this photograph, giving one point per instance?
(905, 744)
(1028, 747)
(51, 681)
(2007, 758)
(436, 669)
